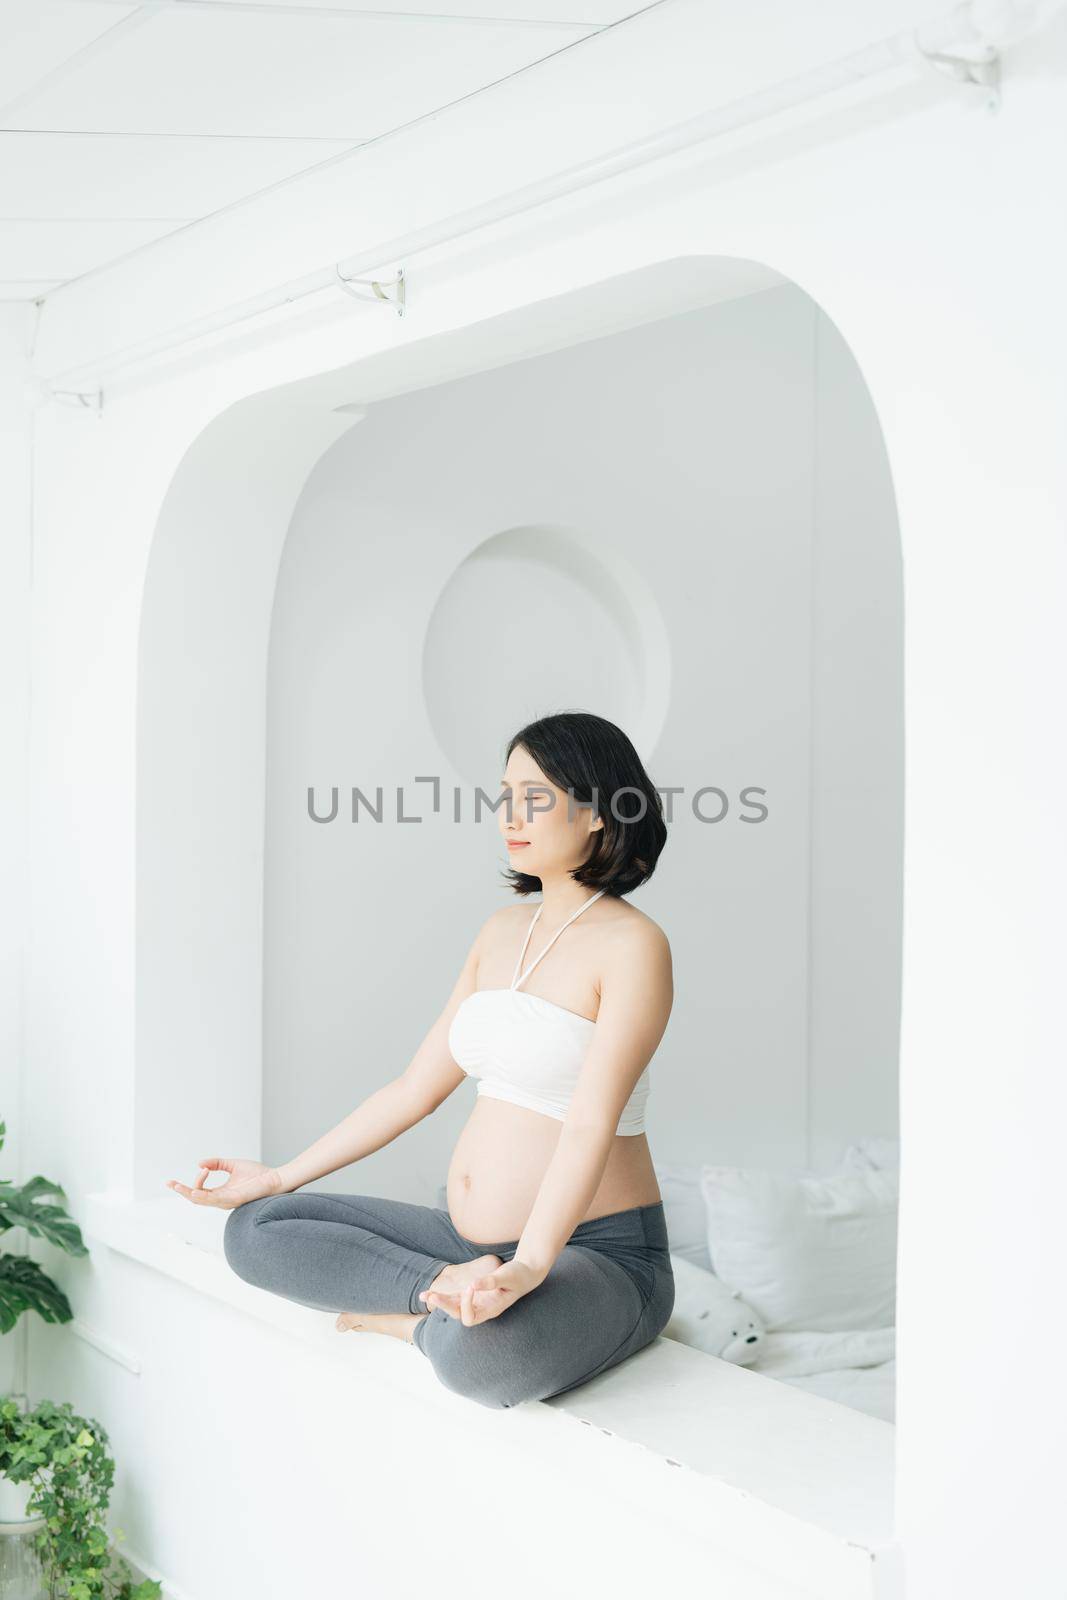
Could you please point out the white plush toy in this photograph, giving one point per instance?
(711, 1316)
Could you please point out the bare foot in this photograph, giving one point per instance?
(397, 1324)
(401, 1324)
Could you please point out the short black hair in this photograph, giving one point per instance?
(583, 755)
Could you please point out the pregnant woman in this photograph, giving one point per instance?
(551, 1262)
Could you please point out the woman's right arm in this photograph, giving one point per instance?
(429, 1078)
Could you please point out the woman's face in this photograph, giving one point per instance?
(544, 834)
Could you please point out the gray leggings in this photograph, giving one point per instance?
(609, 1292)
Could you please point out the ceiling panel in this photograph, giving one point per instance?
(38, 35)
(127, 175)
(26, 288)
(592, 13)
(120, 122)
(62, 250)
(214, 69)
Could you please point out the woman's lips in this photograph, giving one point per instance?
(517, 844)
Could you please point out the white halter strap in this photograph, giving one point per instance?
(516, 980)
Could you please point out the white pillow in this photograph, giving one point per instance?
(684, 1211)
(806, 1252)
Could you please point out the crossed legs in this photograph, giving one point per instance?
(370, 1257)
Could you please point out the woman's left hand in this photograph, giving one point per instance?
(488, 1295)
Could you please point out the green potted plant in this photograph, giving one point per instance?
(55, 1472)
(65, 1460)
(25, 1287)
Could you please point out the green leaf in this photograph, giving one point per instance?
(25, 1208)
(24, 1287)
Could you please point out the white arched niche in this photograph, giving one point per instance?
(531, 614)
(223, 721)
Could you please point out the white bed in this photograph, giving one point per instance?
(799, 1248)
(855, 1368)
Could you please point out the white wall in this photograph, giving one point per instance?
(922, 226)
(686, 454)
(16, 427)
(857, 742)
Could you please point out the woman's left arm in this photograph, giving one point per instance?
(636, 995)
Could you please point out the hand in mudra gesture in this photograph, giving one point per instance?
(488, 1295)
(248, 1180)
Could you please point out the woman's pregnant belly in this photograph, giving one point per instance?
(502, 1155)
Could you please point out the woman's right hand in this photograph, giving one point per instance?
(248, 1180)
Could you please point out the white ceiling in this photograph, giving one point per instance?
(122, 122)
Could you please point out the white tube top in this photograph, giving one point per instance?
(528, 1050)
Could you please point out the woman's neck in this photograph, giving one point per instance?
(560, 899)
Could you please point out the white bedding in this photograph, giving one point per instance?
(870, 1389)
(755, 1221)
(856, 1369)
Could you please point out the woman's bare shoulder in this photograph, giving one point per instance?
(513, 911)
(500, 922)
(638, 956)
(638, 925)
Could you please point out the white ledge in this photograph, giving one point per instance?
(800, 1486)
